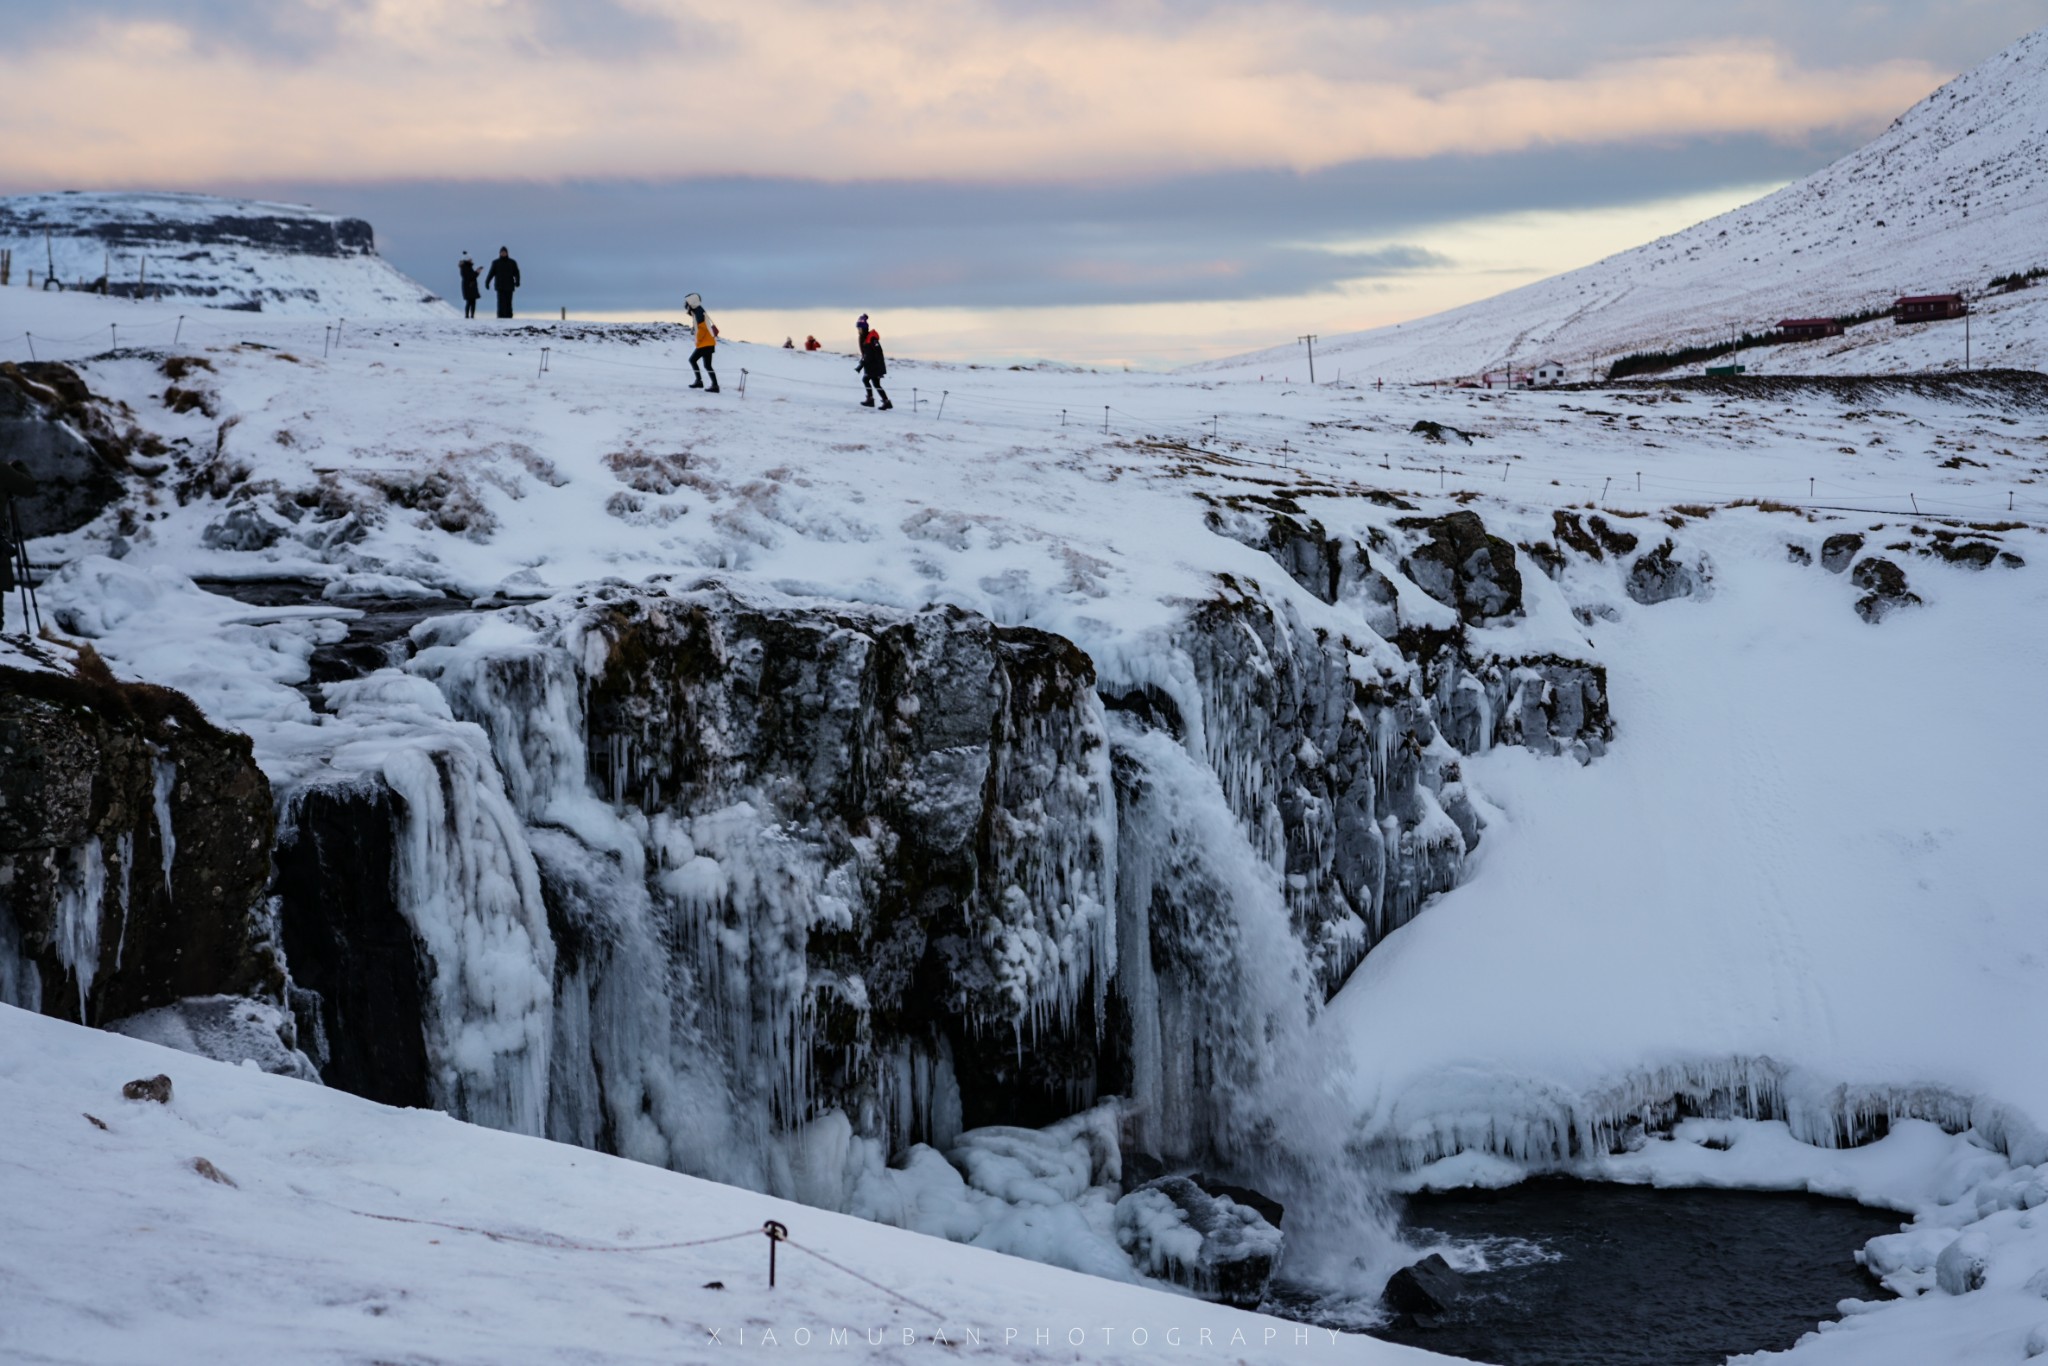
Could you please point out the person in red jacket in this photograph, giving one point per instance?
(813, 344)
(873, 365)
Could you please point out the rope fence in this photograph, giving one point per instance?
(773, 1230)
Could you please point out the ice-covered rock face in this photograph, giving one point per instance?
(134, 851)
(1336, 780)
(803, 860)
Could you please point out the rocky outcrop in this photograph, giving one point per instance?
(134, 850)
(1969, 552)
(1340, 782)
(1660, 576)
(1334, 569)
(45, 415)
(1462, 565)
(822, 858)
(1884, 588)
(1546, 703)
(1837, 552)
(1593, 537)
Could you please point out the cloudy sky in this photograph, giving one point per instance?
(1106, 180)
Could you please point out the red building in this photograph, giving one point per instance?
(1806, 329)
(1927, 308)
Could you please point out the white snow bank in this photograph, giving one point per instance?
(119, 1249)
(1798, 872)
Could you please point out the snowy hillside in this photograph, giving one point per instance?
(1950, 197)
(322, 1228)
(224, 253)
(961, 816)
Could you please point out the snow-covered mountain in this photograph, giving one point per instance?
(1953, 195)
(225, 253)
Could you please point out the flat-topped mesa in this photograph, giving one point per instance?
(224, 253)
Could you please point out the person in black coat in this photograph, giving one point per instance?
(504, 278)
(472, 286)
(873, 365)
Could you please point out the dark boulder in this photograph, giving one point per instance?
(74, 483)
(1439, 432)
(1660, 576)
(1837, 551)
(1462, 565)
(1884, 588)
(1238, 1250)
(1594, 538)
(1429, 1287)
(1971, 554)
(156, 1089)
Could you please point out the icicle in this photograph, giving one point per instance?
(124, 855)
(20, 984)
(166, 782)
(79, 904)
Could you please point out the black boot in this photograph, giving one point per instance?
(886, 404)
(868, 402)
(697, 383)
(714, 384)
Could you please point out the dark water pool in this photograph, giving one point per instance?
(1583, 1274)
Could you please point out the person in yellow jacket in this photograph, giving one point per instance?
(707, 342)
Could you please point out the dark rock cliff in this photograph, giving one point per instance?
(135, 846)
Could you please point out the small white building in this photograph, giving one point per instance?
(1548, 373)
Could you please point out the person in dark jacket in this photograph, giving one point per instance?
(504, 278)
(705, 335)
(472, 286)
(873, 365)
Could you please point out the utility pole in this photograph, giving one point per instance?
(1311, 340)
(1966, 330)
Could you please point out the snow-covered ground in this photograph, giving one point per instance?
(220, 253)
(328, 1229)
(1950, 197)
(1801, 872)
